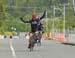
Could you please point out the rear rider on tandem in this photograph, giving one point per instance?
(36, 26)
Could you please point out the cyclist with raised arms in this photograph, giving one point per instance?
(36, 25)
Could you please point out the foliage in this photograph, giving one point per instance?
(12, 10)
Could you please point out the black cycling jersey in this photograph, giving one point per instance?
(35, 23)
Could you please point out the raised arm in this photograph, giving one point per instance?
(24, 20)
(43, 16)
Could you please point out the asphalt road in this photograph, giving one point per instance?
(17, 48)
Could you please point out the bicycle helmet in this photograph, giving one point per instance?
(34, 15)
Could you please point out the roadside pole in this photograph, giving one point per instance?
(64, 20)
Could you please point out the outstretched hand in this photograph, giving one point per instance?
(45, 12)
(21, 18)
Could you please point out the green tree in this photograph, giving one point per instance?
(2, 14)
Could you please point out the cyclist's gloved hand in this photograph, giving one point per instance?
(45, 12)
(21, 18)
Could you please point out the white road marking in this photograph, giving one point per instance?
(12, 49)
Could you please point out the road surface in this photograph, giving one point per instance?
(17, 48)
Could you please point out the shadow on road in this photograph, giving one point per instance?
(72, 44)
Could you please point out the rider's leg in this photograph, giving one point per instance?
(40, 36)
(30, 39)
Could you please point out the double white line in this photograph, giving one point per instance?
(12, 49)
